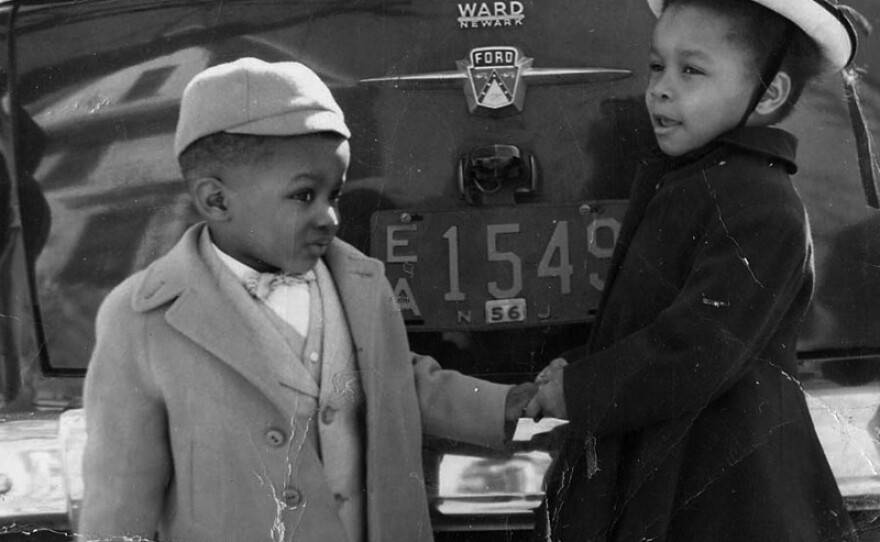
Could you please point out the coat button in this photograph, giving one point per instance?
(328, 415)
(275, 437)
(292, 496)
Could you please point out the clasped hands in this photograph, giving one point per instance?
(540, 399)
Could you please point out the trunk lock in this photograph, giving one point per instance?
(493, 174)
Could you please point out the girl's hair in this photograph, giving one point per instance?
(764, 34)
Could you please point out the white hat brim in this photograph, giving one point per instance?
(820, 20)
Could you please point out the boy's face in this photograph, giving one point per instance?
(283, 207)
(701, 81)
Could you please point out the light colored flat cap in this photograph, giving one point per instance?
(250, 96)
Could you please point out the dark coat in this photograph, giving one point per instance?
(686, 398)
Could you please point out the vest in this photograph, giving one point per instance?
(335, 418)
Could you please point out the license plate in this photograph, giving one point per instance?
(497, 267)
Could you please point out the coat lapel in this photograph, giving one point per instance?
(336, 341)
(222, 319)
(357, 280)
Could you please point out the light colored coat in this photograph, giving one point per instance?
(191, 413)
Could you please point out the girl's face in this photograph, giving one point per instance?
(701, 80)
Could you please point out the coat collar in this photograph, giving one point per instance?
(775, 144)
(198, 307)
(183, 269)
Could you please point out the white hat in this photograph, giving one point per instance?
(821, 20)
(250, 96)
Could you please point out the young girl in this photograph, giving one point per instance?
(688, 422)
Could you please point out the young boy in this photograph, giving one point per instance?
(256, 383)
(687, 419)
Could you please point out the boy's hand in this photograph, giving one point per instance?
(550, 400)
(518, 398)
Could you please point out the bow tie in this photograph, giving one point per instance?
(261, 285)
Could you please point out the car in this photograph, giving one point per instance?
(494, 145)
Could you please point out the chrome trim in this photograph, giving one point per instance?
(535, 76)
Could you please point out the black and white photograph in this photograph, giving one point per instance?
(440, 270)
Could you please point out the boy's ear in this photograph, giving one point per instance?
(776, 94)
(210, 197)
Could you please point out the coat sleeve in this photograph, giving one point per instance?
(451, 404)
(459, 407)
(748, 269)
(127, 462)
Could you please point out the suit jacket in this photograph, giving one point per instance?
(191, 410)
(686, 398)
